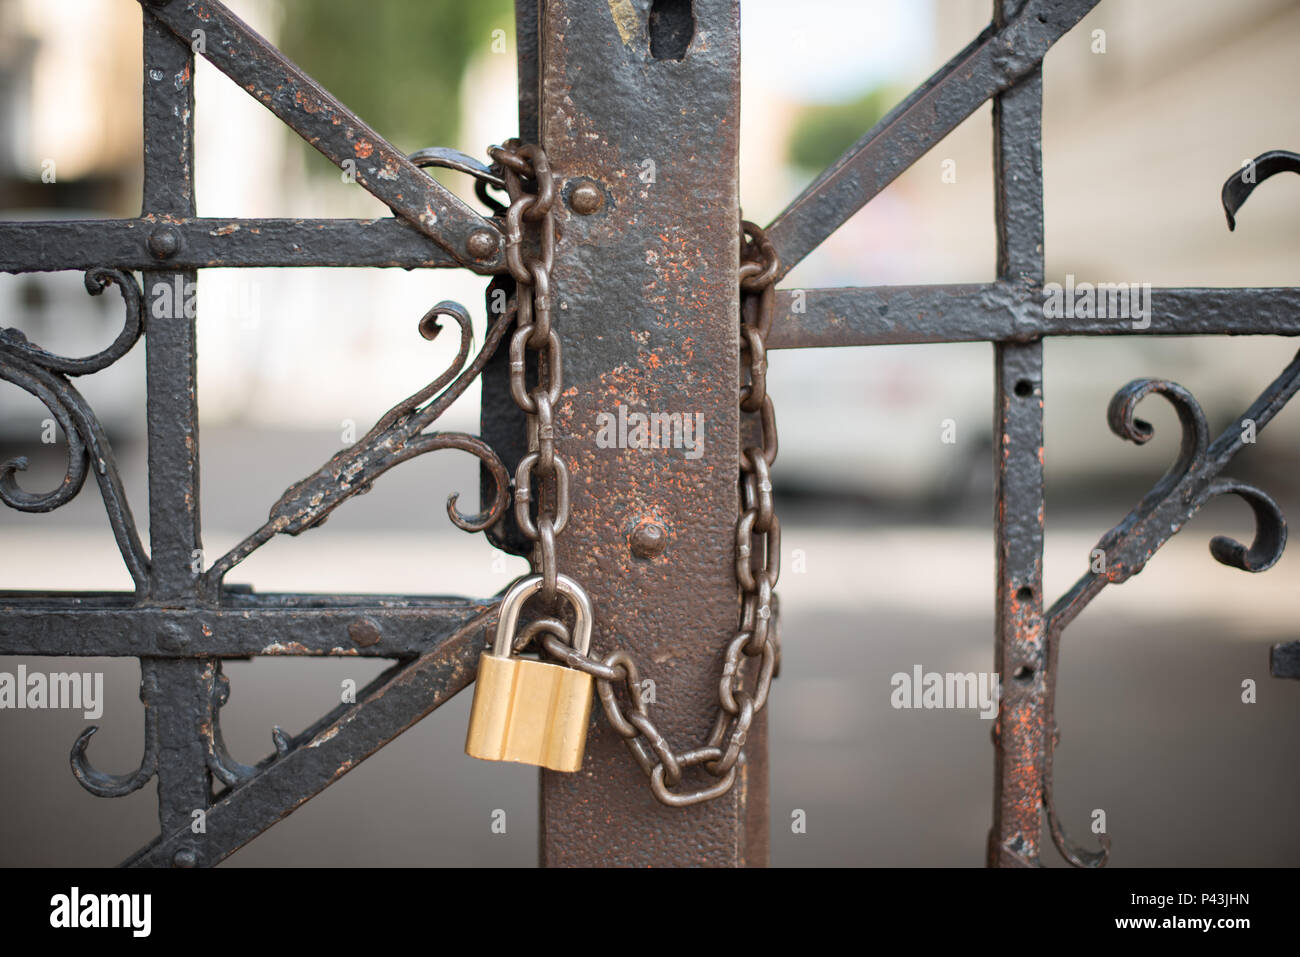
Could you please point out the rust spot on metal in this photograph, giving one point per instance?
(306, 102)
(324, 736)
(286, 648)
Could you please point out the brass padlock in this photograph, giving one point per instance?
(533, 712)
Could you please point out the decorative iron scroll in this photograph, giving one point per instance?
(398, 436)
(118, 785)
(45, 376)
(1192, 481)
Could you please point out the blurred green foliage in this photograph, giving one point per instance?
(823, 132)
(397, 64)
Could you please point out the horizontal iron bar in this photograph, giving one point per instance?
(112, 624)
(807, 318)
(991, 64)
(199, 243)
(1010, 312)
(330, 748)
(300, 102)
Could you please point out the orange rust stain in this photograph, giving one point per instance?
(286, 648)
(325, 736)
(307, 103)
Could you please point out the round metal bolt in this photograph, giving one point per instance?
(649, 539)
(173, 637)
(164, 242)
(185, 858)
(481, 244)
(586, 198)
(365, 632)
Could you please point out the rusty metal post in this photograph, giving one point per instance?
(643, 105)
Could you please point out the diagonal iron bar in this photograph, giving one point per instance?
(305, 106)
(992, 64)
(322, 754)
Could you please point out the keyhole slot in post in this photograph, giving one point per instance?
(672, 26)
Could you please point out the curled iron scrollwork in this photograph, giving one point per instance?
(101, 784)
(1191, 481)
(398, 436)
(45, 376)
(1242, 183)
(224, 767)
(1181, 492)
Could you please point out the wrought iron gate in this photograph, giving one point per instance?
(604, 84)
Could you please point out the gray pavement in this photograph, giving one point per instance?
(1153, 728)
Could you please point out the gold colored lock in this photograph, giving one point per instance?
(532, 712)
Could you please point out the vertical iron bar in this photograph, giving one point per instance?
(1020, 655)
(182, 685)
(646, 302)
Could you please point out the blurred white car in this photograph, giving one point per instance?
(915, 423)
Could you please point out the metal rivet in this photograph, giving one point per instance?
(164, 242)
(173, 637)
(185, 858)
(586, 198)
(481, 244)
(649, 539)
(365, 632)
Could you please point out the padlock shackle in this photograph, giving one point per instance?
(512, 604)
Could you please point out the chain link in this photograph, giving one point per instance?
(543, 478)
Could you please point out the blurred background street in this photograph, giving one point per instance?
(888, 557)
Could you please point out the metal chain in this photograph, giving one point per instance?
(543, 477)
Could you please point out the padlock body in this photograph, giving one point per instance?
(532, 712)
